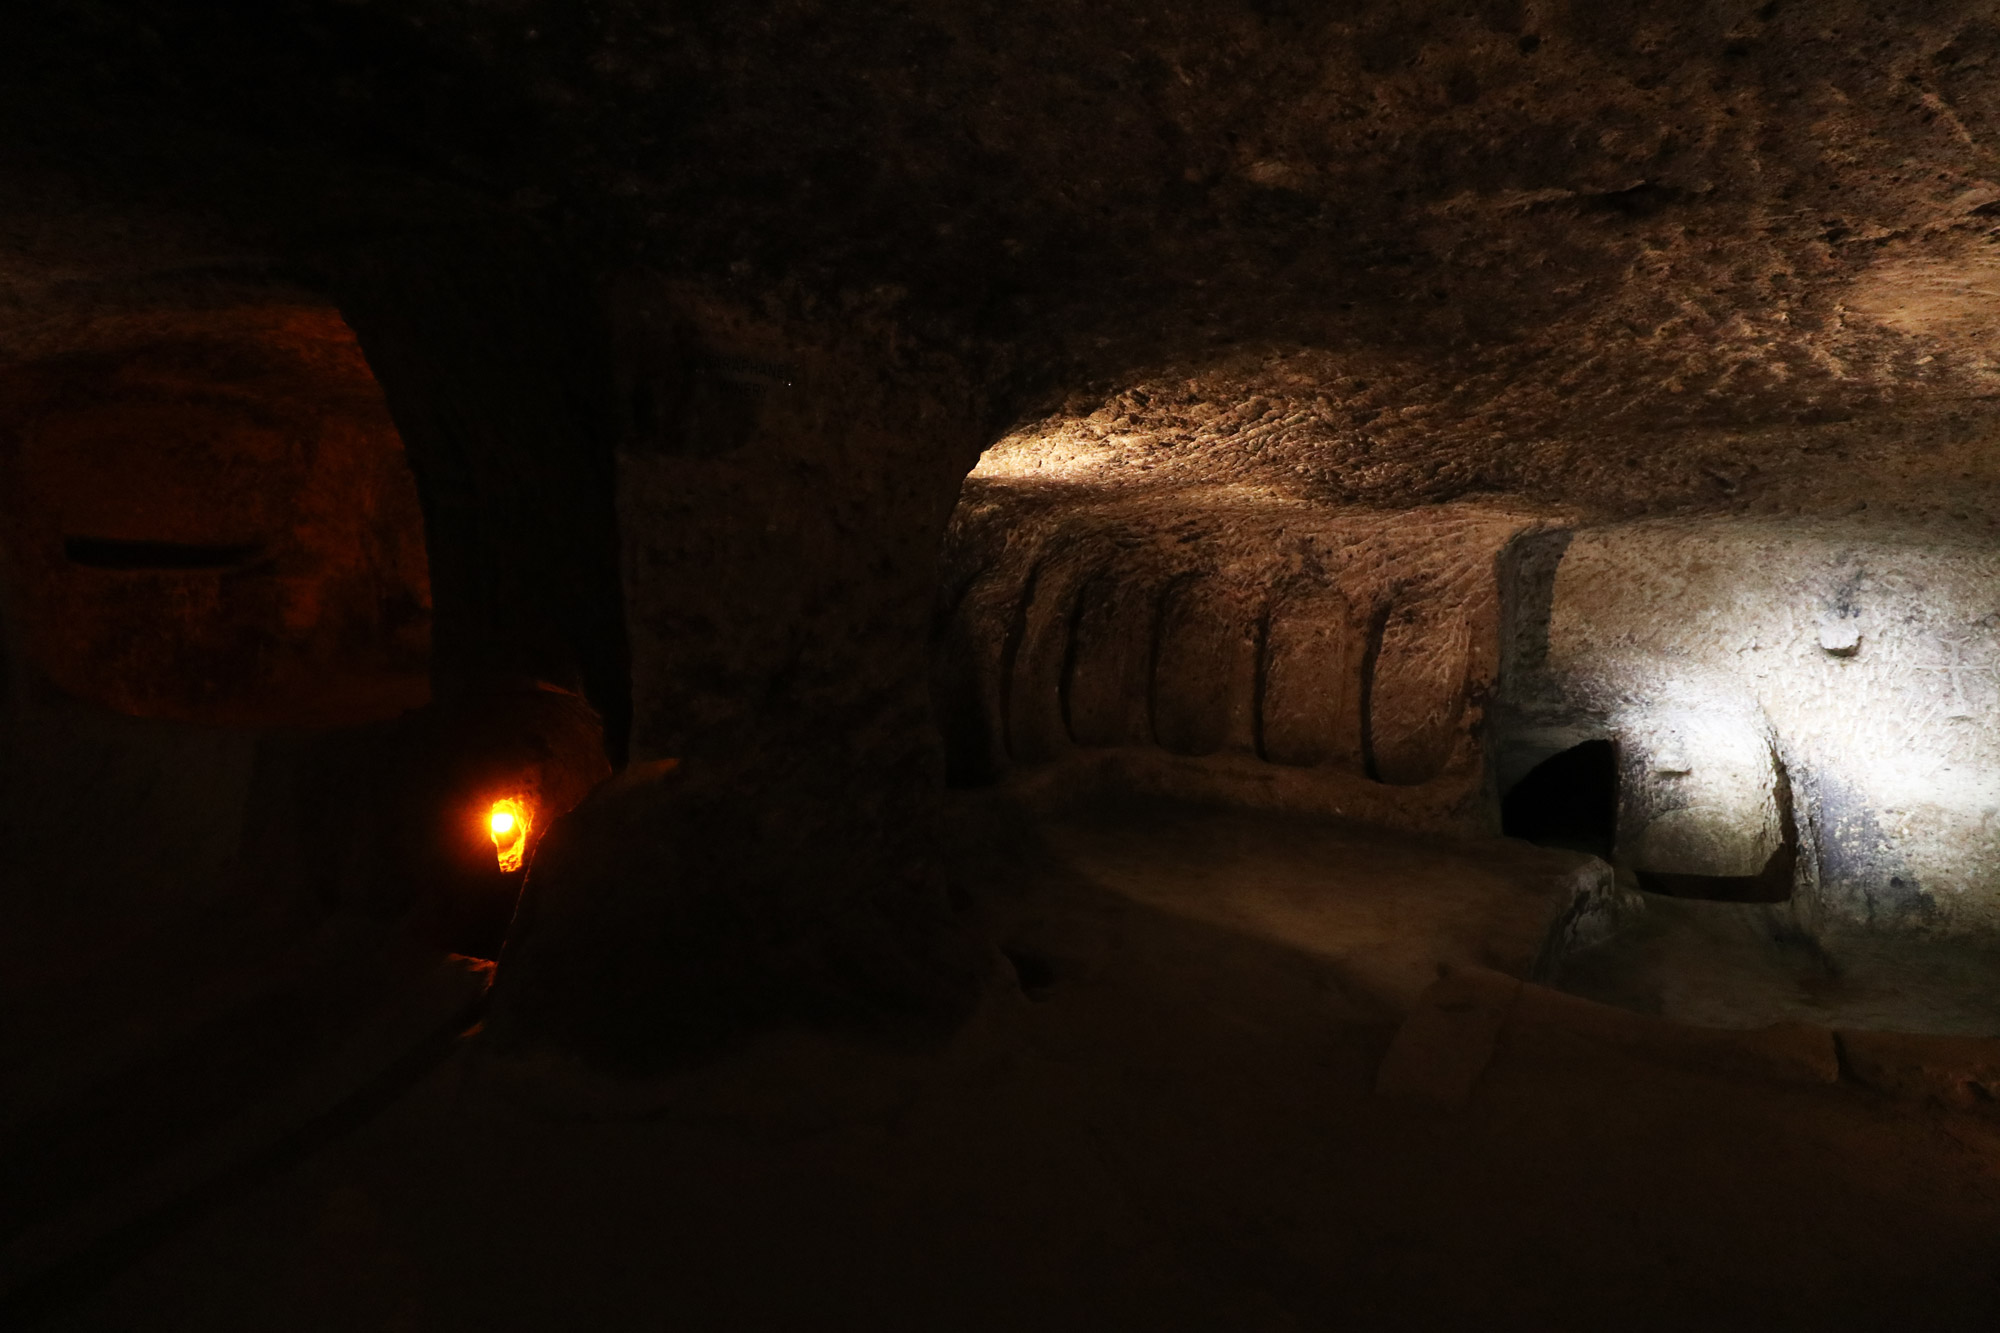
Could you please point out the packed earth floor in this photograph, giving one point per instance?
(1163, 1116)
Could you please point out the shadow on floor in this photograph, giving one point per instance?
(1176, 1132)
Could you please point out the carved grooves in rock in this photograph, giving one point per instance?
(1197, 665)
(1072, 640)
(1010, 649)
(1155, 649)
(1203, 680)
(1036, 732)
(962, 686)
(1307, 695)
(1417, 694)
(1260, 684)
(1107, 674)
(1378, 627)
(952, 601)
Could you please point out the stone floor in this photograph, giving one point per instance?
(1173, 1126)
(1736, 965)
(1381, 910)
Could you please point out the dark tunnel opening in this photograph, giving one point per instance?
(1568, 800)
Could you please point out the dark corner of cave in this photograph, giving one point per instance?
(963, 666)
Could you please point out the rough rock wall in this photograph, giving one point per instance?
(782, 490)
(210, 522)
(207, 515)
(1837, 678)
(1222, 643)
(497, 367)
(1809, 700)
(1425, 249)
(1574, 254)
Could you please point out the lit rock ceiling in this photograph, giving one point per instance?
(1739, 255)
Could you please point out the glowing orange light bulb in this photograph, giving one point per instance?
(507, 822)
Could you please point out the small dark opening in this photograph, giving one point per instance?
(1568, 800)
(113, 553)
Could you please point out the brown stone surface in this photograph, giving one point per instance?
(1205, 671)
(1311, 711)
(1108, 694)
(1416, 692)
(1959, 1072)
(1471, 1015)
(209, 518)
(1443, 1047)
(1238, 643)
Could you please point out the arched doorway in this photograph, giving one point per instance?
(1568, 800)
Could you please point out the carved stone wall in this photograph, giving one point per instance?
(207, 515)
(1830, 683)
(1220, 643)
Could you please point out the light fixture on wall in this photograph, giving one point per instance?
(507, 824)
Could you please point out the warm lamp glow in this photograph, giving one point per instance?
(507, 822)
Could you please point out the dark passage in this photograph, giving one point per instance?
(1567, 800)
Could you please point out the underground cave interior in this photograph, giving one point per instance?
(874, 667)
(264, 573)
(1317, 728)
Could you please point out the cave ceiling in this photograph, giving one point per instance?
(1600, 256)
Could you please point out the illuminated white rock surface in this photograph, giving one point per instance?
(1703, 644)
